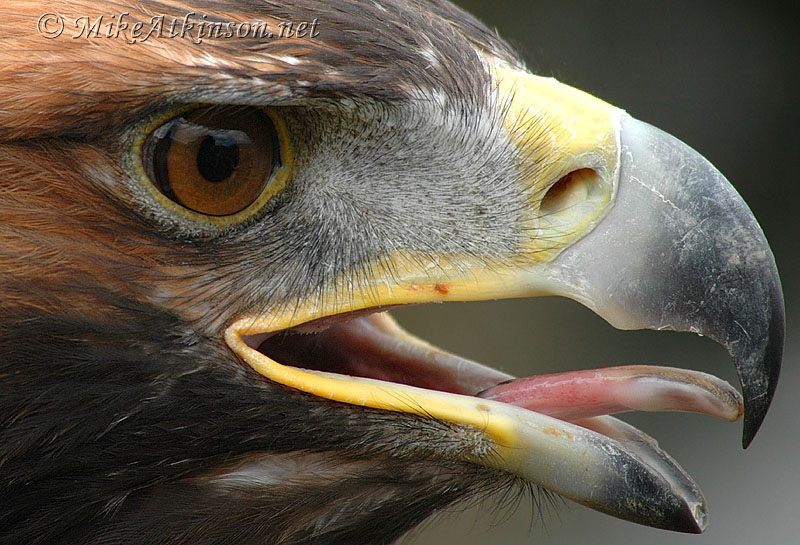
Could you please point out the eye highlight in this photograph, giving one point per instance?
(214, 161)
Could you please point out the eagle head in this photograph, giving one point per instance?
(206, 210)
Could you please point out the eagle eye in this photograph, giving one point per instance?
(215, 161)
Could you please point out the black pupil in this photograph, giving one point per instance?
(218, 157)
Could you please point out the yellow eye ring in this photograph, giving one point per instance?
(216, 164)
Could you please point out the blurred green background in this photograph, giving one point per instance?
(723, 77)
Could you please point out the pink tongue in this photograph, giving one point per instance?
(583, 394)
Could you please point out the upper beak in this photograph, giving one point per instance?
(648, 233)
(680, 250)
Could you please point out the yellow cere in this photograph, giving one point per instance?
(568, 142)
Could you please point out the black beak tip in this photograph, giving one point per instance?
(759, 370)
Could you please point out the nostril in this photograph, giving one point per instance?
(571, 190)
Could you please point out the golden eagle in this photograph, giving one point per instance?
(207, 209)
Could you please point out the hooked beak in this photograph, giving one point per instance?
(680, 250)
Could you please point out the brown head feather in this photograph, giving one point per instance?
(74, 86)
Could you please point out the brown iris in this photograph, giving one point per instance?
(215, 161)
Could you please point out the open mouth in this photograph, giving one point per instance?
(366, 358)
(376, 347)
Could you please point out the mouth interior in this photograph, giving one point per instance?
(374, 346)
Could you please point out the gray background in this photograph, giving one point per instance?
(723, 77)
